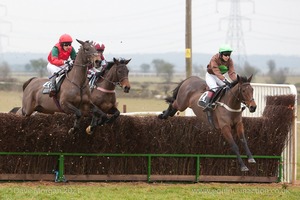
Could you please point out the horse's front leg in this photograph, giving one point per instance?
(99, 118)
(226, 131)
(241, 135)
(77, 120)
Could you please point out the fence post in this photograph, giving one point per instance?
(61, 169)
(149, 168)
(197, 168)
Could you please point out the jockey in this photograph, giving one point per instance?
(100, 68)
(219, 64)
(58, 58)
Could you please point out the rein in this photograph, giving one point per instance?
(237, 98)
(113, 82)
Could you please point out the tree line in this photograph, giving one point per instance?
(162, 68)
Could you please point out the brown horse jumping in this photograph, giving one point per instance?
(103, 92)
(226, 116)
(74, 96)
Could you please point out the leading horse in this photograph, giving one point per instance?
(227, 114)
(74, 96)
(103, 90)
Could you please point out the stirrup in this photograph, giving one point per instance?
(208, 108)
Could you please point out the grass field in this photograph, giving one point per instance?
(130, 191)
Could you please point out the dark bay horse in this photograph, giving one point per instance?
(103, 92)
(227, 115)
(74, 96)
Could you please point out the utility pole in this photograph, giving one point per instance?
(188, 38)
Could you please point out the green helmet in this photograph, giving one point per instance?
(225, 48)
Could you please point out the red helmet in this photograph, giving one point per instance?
(99, 46)
(65, 38)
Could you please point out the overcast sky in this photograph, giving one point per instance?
(148, 26)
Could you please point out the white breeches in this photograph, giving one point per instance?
(53, 68)
(213, 81)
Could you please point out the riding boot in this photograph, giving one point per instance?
(53, 87)
(205, 100)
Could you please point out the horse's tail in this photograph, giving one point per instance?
(27, 82)
(175, 92)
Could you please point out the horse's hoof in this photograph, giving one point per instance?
(251, 160)
(88, 130)
(161, 116)
(71, 131)
(244, 169)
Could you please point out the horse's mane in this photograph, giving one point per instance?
(109, 65)
(244, 79)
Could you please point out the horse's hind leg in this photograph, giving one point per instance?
(115, 114)
(99, 118)
(226, 131)
(170, 112)
(241, 135)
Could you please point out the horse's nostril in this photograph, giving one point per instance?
(126, 89)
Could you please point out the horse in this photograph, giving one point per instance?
(103, 93)
(227, 114)
(74, 96)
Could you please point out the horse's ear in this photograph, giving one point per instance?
(250, 78)
(116, 60)
(127, 61)
(81, 42)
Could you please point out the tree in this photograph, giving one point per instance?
(277, 76)
(199, 70)
(39, 66)
(272, 66)
(145, 67)
(165, 68)
(4, 71)
(248, 70)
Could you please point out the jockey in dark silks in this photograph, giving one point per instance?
(219, 64)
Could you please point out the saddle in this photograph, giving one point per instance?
(218, 95)
(59, 81)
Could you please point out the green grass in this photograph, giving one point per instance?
(91, 191)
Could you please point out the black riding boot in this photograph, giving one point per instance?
(53, 87)
(205, 100)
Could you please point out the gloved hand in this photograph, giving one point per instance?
(69, 62)
(98, 74)
(226, 82)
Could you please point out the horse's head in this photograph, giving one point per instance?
(119, 73)
(88, 52)
(246, 92)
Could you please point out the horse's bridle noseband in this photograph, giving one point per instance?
(115, 82)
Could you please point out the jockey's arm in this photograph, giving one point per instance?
(54, 58)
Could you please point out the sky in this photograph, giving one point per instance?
(149, 26)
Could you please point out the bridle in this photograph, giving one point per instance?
(242, 100)
(89, 55)
(115, 83)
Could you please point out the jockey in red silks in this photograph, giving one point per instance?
(58, 58)
(101, 65)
